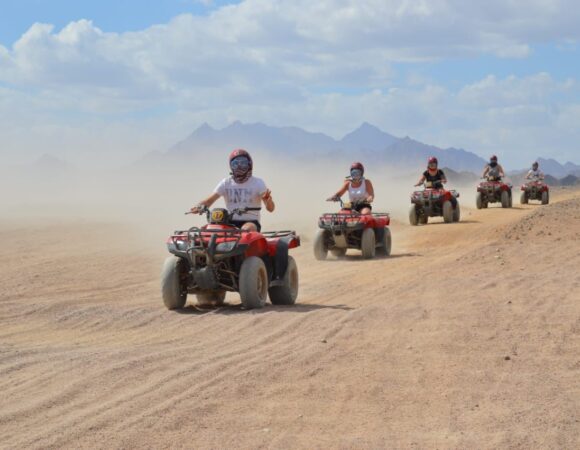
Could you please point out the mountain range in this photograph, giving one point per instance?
(367, 143)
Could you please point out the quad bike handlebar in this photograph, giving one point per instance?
(342, 203)
(237, 211)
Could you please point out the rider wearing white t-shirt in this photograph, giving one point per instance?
(241, 190)
(535, 173)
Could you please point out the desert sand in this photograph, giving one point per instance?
(467, 337)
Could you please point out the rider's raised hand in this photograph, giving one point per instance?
(267, 195)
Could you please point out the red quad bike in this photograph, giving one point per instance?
(434, 201)
(218, 257)
(350, 229)
(493, 190)
(535, 190)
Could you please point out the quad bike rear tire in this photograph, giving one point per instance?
(320, 247)
(211, 298)
(524, 198)
(423, 219)
(413, 216)
(447, 212)
(545, 198)
(505, 199)
(368, 243)
(338, 252)
(173, 291)
(385, 249)
(253, 283)
(286, 293)
(457, 213)
(479, 200)
(511, 199)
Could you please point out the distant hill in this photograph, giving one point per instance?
(367, 143)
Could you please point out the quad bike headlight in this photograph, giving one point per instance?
(225, 247)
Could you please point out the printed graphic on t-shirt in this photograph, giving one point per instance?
(243, 195)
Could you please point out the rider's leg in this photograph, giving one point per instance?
(249, 226)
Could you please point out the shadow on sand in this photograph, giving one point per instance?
(228, 309)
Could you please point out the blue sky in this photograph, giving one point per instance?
(109, 15)
(134, 76)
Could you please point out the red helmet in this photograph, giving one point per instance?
(432, 160)
(240, 152)
(493, 158)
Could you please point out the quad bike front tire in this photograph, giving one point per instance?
(338, 252)
(505, 199)
(457, 213)
(211, 298)
(286, 293)
(511, 200)
(545, 198)
(524, 198)
(479, 200)
(447, 212)
(413, 216)
(385, 249)
(172, 290)
(423, 219)
(368, 243)
(253, 283)
(320, 247)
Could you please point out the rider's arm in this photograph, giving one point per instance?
(370, 191)
(443, 177)
(268, 202)
(342, 190)
(501, 172)
(421, 181)
(206, 202)
(529, 175)
(485, 170)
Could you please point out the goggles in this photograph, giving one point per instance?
(356, 173)
(240, 163)
(432, 165)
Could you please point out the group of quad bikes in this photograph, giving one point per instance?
(218, 257)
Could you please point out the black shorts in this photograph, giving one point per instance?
(360, 206)
(240, 223)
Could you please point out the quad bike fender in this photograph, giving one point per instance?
(257, 247)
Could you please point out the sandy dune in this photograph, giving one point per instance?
(468, 337)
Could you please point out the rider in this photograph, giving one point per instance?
(493, 170)
(535, 173)
(433, 174)
(241, 190)
(360, 190)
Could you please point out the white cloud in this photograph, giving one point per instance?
(325, 65)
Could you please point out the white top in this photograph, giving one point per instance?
(535, 174)
(357, 194)
(247, 194)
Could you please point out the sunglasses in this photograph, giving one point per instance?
(432, 165)
(356, 173)
(240, 163)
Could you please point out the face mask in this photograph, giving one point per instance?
(356, 174)
(241, 169)
(493, 163)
